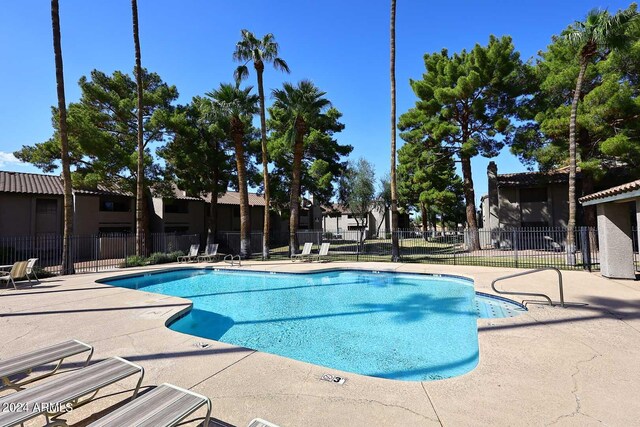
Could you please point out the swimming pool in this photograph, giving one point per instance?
(388, 325)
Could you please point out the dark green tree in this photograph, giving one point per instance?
(600, 33)
(199, 155)
(234, 108)
(260, 52)
(103, 131)
(607, 129)
(465, 102)
(305, 154)
(428, 181)
(602, 113)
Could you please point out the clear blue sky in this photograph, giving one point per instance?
(343, 46)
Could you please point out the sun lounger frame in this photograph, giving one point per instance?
(25, 363)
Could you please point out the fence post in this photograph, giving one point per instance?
(97, 246)
(453, 245)
(586, 248)
(515, 246)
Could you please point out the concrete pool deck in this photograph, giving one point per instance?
(549, 366)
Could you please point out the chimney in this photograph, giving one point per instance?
(492, 177)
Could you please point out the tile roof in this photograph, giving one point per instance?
(51, 185)
(613, 191)
(30, 183)
(233, 198)
(527, 179)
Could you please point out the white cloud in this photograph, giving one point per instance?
(8, 159)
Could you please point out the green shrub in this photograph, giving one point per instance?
(158, 258)
(154, 258)
(134, 261)
(163, 258)
(173, 256)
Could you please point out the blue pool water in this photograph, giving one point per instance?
(389, 325)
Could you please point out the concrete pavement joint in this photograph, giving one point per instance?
(431, 402)
(223, 369)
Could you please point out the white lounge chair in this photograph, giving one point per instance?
(192, 255)
(323, 253)
(25, 363)
(306, 252)
(18, 271)
(31, 263)
(55, 395)
(210, 253)
(164, 406)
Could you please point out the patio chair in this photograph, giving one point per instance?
(210, 253)
(192, 255)
(323, 253)
(64, 392)
(31, 263)
(18, 271)
(551, 244)
(306, 252)
(166, 405)
(25, 363)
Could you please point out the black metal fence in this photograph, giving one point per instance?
(89, 253)
(519, 248)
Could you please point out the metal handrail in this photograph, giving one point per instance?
(232, 258)
(511, 276)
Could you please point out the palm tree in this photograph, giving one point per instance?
(67, 262)
(260, 51)
(395, 247)
(302, 105)
(236, 108)
(140, 169)
(597, 36)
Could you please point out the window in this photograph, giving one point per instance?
(355, 227)
(114, 230)
(46, 206)
(115, 204)
(176, 206)
(533, 195)
(356, 216)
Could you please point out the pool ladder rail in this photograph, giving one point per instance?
(524, 273)
(230, 259)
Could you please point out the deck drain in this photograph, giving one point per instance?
(333, 379)
(202, 344)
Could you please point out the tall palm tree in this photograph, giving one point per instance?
(302, 105)
(597, 36)
(395, 247)
(140, 222)
(236, 107)
(67, 262)
(260, 51)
